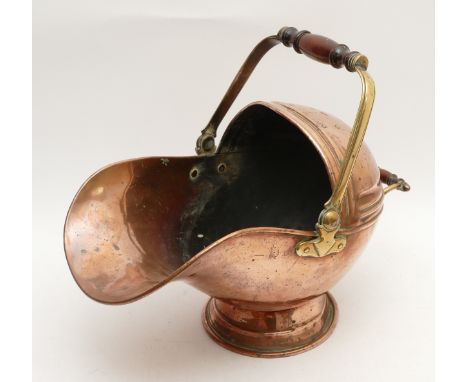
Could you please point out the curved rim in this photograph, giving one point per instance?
(322, 147)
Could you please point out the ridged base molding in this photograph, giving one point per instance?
(270, 331)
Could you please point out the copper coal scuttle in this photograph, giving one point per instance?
(265, 224)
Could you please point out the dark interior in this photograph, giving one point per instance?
(266, 174)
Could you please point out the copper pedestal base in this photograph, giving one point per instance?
(270, 330)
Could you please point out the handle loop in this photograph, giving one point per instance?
(325, 240)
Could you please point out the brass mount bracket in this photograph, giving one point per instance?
(325, 239)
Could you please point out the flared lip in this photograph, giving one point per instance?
(189, 263)
(184, 266)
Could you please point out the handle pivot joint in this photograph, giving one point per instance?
(206, 141)
(322, 49)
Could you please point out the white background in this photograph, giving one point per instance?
(121, 79)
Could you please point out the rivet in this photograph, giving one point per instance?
(194, 173)
(221, 167)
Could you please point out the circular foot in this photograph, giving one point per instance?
(269, 332)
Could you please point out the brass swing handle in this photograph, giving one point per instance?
(325, 239)
(319, 48)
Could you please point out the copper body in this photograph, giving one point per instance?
(124, 238)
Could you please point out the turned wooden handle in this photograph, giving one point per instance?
(319, 48)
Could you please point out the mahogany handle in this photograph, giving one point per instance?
(318, 48)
